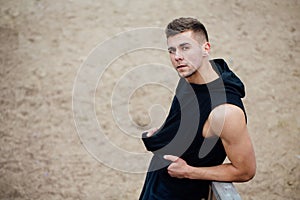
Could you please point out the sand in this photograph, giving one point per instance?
(44, 44)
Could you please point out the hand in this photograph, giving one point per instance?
(178, 168)
(151, 132)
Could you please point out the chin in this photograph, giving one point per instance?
(187, 75)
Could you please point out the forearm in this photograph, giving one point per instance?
(225, 172)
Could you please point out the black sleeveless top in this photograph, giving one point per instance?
(181, 135)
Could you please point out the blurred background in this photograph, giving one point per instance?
(43, 43)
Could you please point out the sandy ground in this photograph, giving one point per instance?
(44, 43)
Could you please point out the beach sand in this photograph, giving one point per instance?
(44, 155)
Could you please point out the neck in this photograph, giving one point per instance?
(204, 74)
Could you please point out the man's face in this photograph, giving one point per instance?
(186, 53)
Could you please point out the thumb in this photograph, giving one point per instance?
(171, 158)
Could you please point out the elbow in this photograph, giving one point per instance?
(248, 174)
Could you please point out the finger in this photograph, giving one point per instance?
(151, 132)
(171, 158)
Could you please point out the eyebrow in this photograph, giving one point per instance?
(181, 45)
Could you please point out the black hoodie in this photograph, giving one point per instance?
(181, 135)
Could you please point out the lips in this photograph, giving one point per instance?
(181, 66)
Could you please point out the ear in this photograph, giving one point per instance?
(206, 49)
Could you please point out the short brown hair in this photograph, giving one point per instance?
(183, 24)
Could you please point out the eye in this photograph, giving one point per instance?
(185, 48)
(171, 51)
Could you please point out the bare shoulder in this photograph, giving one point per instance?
(227, 112)
(227, 118)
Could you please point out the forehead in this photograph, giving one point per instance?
(182, 38)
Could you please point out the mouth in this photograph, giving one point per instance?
(181, 66)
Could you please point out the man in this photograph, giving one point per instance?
(206, 123)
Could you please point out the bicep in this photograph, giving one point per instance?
(236, 140)
(238, 147)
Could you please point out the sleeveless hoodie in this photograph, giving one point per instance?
(181, 135)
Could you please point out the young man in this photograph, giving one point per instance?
(206, 123)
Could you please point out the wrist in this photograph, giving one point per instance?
(190, 172)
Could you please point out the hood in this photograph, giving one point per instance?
(232, 83)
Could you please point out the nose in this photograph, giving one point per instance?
(178, 56)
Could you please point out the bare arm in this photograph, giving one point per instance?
(237, 144)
